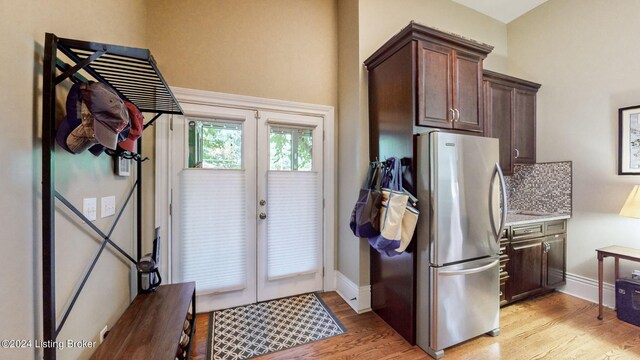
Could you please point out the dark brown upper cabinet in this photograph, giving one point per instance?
(510, 115)
(442, 76)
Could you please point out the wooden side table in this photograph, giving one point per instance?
(617, 252)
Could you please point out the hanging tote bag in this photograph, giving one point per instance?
(394, 204)
(365, 217)
(409, 222)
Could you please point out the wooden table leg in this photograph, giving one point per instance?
(599, 286)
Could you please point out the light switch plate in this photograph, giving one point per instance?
(89, 208)
(108, 206)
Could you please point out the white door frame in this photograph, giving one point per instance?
(189, 97)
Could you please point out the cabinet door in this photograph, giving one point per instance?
(467, 91)
(498, 124)
(434, 85)
(524, 139)
(525, 277)
(555, 260)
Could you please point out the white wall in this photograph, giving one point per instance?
(351, 141)
(585, 54)
(22, 28)
(278, 49)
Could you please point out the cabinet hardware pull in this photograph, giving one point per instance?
(517, 153)
(457, 115)
(453, 115)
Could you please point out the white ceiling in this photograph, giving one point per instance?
(502, 10)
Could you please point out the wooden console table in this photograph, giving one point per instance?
(617, 252)
(151, 326)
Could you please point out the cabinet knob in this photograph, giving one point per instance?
(262, 216)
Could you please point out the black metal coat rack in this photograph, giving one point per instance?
(133, 74)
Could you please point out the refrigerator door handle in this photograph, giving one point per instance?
(503, 187)
(469, 271)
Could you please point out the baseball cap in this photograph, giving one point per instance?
(72, 119)
(109, 113)
(129, 135)
(137, 125)
(83, 136)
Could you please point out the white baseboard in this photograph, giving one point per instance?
(587, 289)
(359, 298)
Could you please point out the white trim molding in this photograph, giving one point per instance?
(209, 98)
(587, 289)
(359, 298)
(163, 192)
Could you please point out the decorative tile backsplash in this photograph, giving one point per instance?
(544, 187)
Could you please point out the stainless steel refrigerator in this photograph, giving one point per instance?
(459, 184)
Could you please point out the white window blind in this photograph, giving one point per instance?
(213, 248)
(294, 223)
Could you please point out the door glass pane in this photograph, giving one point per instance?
(215, 144)
(290, 149)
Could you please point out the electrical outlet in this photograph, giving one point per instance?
(89, 208)
(108, 206)
(103, 333)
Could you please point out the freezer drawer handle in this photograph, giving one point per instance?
(469, 271)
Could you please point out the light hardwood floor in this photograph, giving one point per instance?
(553, 326)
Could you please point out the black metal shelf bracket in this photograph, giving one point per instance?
(133, 74)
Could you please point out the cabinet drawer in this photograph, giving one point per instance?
(528, 231)
(555, 227)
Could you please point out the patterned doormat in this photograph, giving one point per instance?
(248, 331)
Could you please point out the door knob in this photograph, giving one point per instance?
(262, 216)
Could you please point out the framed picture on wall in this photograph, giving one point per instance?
(629, 141)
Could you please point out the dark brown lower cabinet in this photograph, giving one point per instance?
(504, 266)
(535, 260)
(526, 268)
(555, 268)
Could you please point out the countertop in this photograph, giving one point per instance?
(522, 219)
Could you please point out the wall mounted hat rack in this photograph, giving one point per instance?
(133, 74)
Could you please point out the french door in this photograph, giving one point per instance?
(247, 221)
